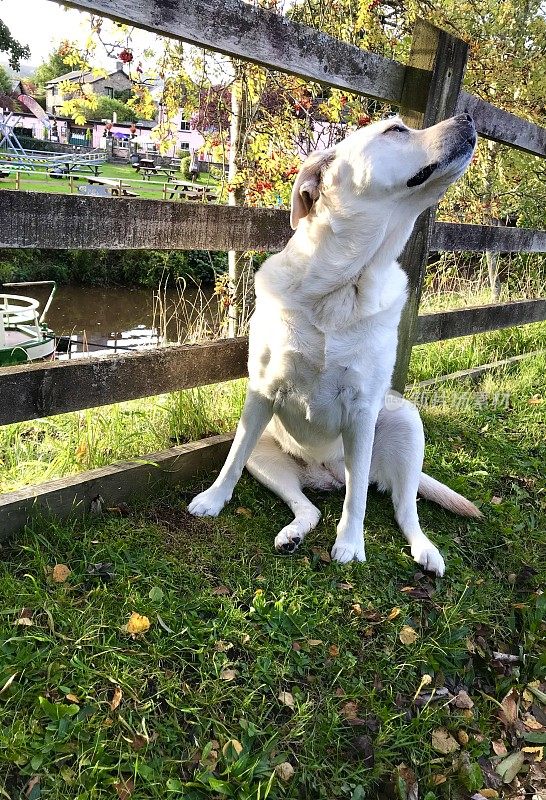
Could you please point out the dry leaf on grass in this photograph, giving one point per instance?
(499, 748)
(349, 710)
(116, 699)
(462, 700)
(508, 712)
(463, 737)
(408, 635)
(124, 788)
(137, 624)
(72, 698)
(314, 642)
(509, 767)
(232, 749)
(287, 699)
(394, 612)
(60, 573)
(443, 741)
(243, 512)
(333, 650)
(284, 771)
(221, 591)
(8, 683)
(228, 674)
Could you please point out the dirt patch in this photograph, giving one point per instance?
(178, 525)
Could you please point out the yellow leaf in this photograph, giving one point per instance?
(232, 746)
(60, 573)
(72, 698)
(463, 737)
(314, 642)
(538, 752)
(137, 624)
(243, 512)
(116, 699)
(437, 780)
(489, 793)
(443, 741)
(357, 609)
(394, 613)
(287, 699)
(284, 771)
(408, 635)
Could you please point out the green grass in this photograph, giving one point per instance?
(149, 189)
(218, 598)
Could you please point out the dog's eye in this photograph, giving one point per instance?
(396, 128)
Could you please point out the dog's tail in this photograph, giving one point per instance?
(433, 490)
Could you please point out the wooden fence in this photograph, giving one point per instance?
(427, 90)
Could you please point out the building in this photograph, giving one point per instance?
(108, 86)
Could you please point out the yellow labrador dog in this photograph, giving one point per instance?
(323, 339)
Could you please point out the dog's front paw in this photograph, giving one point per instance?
(428, 556)
(209, 503)
(347, 549)
(289, 539)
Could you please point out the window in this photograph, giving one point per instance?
(185, 125)
(109, 92)
(54, 90)
(151, 148)
(184, 145)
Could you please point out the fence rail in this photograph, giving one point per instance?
(60, 222)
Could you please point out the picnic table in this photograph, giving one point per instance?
(192, 191)
(115, 187)
(147, 167)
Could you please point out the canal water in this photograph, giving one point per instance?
(94, 319)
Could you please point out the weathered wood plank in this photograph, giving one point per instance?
(474, 372)
(469, 321)
(433, 52)
(41, 390)
(501, 126)
(124, 481)
(478, 238)
(262, 36)
(61, 221)
(33, 219)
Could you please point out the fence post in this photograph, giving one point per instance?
(435, 73)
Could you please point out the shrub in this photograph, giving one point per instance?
(185, 167)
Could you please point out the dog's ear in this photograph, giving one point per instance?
(307, 186)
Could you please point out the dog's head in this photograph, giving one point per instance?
(385, 166)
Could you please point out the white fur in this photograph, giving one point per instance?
(324, 334)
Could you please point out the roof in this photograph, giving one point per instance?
(86, 75)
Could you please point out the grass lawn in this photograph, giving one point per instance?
(148, 189)
(269, 676)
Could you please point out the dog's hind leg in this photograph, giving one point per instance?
(282, 474)
(397, 461)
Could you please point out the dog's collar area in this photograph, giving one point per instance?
(422, 176)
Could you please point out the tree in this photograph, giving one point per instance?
(5, 81)
(15, 49)
(52, 67)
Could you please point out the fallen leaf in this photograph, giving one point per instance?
(314, 642)
(349, 710)
(116, 699)
(364, 747)
(220, 591)
(228, 674)
(463, 737)
(232, 748)
(462, 700)
(60, 573)
(535, 400)
(137, 624)
(139, 741)
(72, 698)
(509, 767)
(31, 790)
(508, 712)
(333, 650)
(124, 788)
(393, 613)
(356, 609)
(222, 647)
(323, 555)
(284, 771)
(406, 781)
(489, 793)
(437, 780)
(538, 752)
(443, 741)
(296, 646)
(496, 500)
(345, 586)
(243, 512)
(499, 748)
(408, 635)
(531, 723)
(287, 699)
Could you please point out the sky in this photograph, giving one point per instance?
(42, 24)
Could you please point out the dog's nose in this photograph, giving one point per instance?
(465, 118)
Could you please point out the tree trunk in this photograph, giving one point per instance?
(236, 260)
